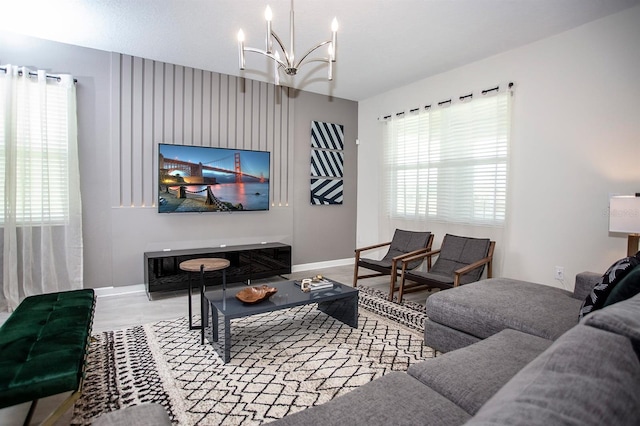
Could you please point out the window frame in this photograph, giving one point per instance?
(449, 164)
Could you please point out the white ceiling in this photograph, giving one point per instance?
(382, 44)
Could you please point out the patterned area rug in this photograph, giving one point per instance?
(281, 362)
(409, 313)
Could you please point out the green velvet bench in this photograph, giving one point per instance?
(43, 346)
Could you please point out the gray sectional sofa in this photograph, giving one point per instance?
(467, 314)
(515, 354)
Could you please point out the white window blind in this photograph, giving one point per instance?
(37, 158)
(449, 164)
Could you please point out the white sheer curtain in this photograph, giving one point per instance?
(41, 215)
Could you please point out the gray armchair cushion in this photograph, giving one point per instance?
(403, 242)
(457, 252)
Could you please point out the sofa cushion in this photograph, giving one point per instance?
(585, 281)
(445, 339)
(588, 376)
(471, 375)
(621, 318)
(616, 272)
(393, 399)
(489, 306)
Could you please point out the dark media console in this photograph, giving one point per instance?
(248, 262)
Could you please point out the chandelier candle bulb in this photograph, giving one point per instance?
(268, 15)
(334, 37)
(291, 24)
(241, 46)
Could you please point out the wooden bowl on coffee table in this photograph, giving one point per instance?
(256, 294)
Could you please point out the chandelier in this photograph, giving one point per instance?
(287, 62)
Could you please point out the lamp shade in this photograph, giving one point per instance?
(624, 214)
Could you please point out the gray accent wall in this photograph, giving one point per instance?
(127, 105)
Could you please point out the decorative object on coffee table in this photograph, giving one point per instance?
(256, 294)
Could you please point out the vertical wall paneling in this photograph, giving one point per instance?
(187, 107)
(277, 119)
(247, 113)
(169, 104)
(148, 133)
(197, 107)
(205, 116)
(216, 102)
(178, 106)
(137, 134)
(262, 125)
(126, 114)
(155, 102)
(269, 140)
(255, 118)
(223, 122)
(238, 124)
(116, 177)
(289, 140)
(158, 123)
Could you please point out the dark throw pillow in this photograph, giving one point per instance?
(616, 272)
(628, 287)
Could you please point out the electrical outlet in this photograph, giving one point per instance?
(559, 273)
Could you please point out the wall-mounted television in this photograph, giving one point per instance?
(207, 179)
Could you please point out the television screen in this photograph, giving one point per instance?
(205, 179)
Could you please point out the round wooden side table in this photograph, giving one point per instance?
(203, 265)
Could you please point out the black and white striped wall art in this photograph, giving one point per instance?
(327, 163)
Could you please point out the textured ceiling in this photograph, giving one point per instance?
(382, 44)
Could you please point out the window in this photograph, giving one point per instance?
(449, 164)
(34, 151)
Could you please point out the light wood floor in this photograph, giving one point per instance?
(126, 310)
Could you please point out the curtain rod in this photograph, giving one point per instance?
(31, 73)
(448, 101)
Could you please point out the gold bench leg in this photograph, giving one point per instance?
(62, 408)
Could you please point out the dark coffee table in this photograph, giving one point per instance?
(340, 302)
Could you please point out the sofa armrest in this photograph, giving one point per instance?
(585, 281)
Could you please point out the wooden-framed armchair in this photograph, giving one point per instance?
(460, 260)
(403, 244)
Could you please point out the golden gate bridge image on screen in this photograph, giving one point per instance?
(187, 185)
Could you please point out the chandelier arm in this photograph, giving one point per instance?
(268, 55)
(282, 48)
(327, 60)
(310, 51)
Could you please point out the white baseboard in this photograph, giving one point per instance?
(118, 291)
(140, 288)
(320, 265)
